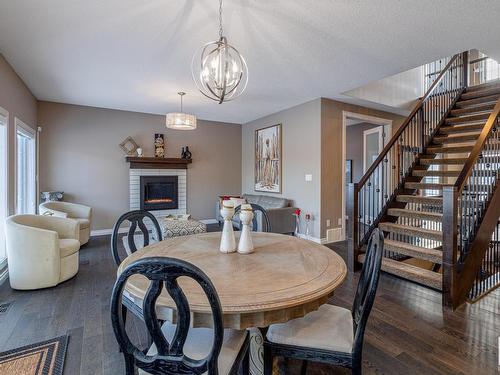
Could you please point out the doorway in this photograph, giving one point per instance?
(363, 138)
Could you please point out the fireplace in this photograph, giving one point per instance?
(159, 193)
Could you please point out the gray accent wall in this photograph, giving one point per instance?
(301, 155)
(17, 99)
(80, 156)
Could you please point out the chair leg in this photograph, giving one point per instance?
(129, 364)
(268, 360)
(245, 366)
(303, 368)
(124, 317)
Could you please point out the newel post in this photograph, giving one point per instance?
(450, 245)
(352, 227)
(465, 61)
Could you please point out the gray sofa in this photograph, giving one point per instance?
(278, 209)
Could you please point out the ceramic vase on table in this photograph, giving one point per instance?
(245, 246)
(227, 241)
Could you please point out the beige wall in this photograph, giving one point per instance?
(301, 155)
(17, 99)
(331, 155)
(80, 155)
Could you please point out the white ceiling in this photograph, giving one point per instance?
(136, 55)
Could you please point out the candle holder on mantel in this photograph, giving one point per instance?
(227, 241)
(245, 246)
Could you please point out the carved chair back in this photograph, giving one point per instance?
(163, 273)
(367, 288)
(266, 223)
(136, 219)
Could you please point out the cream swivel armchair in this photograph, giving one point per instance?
(79, 212)
(42, 251)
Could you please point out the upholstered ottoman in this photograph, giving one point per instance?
(177, 228)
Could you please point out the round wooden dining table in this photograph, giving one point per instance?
(284, 278)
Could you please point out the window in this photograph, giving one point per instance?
(25, 169)
(3, 184)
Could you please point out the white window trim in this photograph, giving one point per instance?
(3, 261)
(20, 125)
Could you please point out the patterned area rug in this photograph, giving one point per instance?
(42, 358)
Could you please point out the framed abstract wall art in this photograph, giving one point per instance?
(268, 159)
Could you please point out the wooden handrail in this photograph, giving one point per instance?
(478, 148)
(394, 138)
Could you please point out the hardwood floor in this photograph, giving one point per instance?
(408, 332)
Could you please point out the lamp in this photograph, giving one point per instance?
(180, 120)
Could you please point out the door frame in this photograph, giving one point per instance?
(19, 124)
(5, 113)
(368, 118)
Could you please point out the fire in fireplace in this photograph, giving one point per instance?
(159, 193)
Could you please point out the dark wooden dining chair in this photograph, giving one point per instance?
(136, 219)
(177, 349)
(331, 334)
(266, 223)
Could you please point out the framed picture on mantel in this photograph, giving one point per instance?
(268, 159)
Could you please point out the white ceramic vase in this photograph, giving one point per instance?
(227, 241)
(245, 246)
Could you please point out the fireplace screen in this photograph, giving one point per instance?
(159, 193)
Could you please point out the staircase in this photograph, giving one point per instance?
(419, 222)
(431, 189)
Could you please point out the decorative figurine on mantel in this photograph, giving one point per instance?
(139, 152)
(245, 246)
(186, 154)
(159, 146)
(227, 241)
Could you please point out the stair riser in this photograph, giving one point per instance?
(449, 150)
(449, 161)
(467, 119)
(461, 129)
(456, 139)
(472, 102)
(420, 200)
(472, 110)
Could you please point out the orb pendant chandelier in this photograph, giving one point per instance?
(181, 120)
(219, 70)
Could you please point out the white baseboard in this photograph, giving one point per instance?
(107, 232)
(209, 221)
(4, 276)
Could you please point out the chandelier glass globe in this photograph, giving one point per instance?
(219, 70)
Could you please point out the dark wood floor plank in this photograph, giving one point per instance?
(408, 331)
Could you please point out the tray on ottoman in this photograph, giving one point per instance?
(177, 228)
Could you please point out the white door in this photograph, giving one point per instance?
(373, 144)
(25, 169)
(3, 184)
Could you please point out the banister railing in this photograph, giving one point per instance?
(368, 199)
(469, 222)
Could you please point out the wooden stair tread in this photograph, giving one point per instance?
(425, 172)
(482, 107)
(483, 86)
(431, 161)
(425, 185)
(450, 149)
(411, 231)
(435, 201)
(490, 91)
(445, 139)
(423, 215)
(466, 119)
(432, 255)
(480, 100)
(407, 271)
(461, 128)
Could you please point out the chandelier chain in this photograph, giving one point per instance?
(220, 18)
